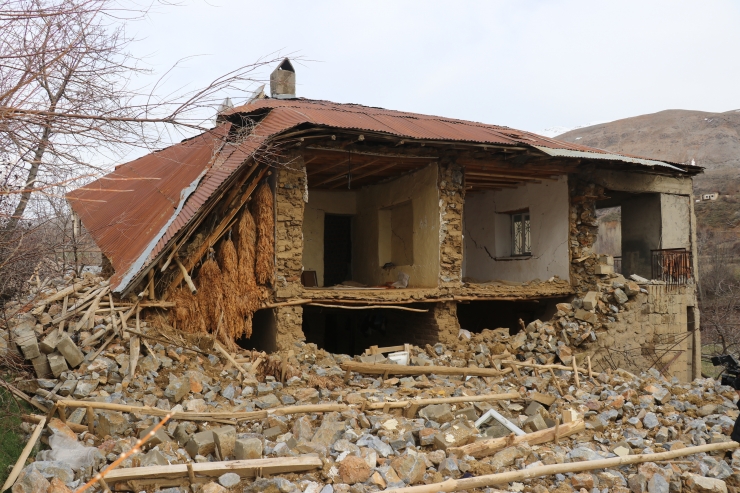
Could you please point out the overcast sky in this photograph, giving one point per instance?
(525, 64)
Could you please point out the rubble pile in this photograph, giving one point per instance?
(303, 405)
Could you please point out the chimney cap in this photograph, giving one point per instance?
(282, 81)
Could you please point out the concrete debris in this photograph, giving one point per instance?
(364, 444)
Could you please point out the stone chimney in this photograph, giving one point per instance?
(282, 81)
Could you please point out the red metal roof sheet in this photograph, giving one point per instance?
(132, 228)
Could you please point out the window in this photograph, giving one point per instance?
(521, 243)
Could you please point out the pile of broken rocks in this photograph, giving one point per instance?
(362, 447)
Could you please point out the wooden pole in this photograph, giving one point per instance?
(590, 373)
(443, 400)
(152, 296)
(381, 369)
(536, 472)
(229, 357)
(370, 307)
(33, 418)
(244, 468)
(575, 373)
(193, 416)
(18, 467)
(186, 276)
(484, 448)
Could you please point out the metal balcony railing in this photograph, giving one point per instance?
(673, 266)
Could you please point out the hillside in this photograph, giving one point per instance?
(712, 140)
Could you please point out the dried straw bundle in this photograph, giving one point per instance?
(188, 315)
(233, 321)
(246, 240)
(264, 217)
(210, 294)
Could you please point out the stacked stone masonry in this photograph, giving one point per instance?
(451, 203)
(289, 205)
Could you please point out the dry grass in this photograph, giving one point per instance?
(264, 217)
(210, 299)
(233, 321)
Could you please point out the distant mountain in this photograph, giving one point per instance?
(712, 140)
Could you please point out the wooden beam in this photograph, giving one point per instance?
(367, 173)
(536, 472)
(443, 400)
(206, 416)
(340, 175)
(317, 171)
(381, 369)
(244, 468)
(484, 448)
(370, 307)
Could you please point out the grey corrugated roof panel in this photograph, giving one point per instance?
(605, 156)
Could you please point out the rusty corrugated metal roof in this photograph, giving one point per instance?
(132, 228)
(123, 224)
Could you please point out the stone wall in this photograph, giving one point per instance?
(651, 331)
(583, 230)
(439, 324)
(289, 323)
(451, 199)
(290, 195)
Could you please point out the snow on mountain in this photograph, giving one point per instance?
(559, 130)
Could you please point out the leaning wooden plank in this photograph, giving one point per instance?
(381, 369)
(33, 418)
(443, 400)
(24, 455)
(244, 468)
(22, 395)
(193, 416)
(90, 311)
(544, 367)
(61, 294)
(229, 357)
(484, 448)
(536, 472)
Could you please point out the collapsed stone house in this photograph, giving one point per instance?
(292, 219)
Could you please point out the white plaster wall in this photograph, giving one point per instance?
(421, 189)
(487, 237)
(320, 203)
(675, 221)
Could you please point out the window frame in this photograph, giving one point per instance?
(525, 235)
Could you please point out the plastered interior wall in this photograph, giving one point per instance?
(320, 203)
(488, 232)
(421, 189)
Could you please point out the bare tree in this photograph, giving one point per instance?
(70, 104)
(68, 94)
(719, 294)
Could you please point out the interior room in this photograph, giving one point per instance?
(475, 316)
(517, 234)
(353, 331)
(366, 237)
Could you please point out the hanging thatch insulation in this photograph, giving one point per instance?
(262, 208)
(233, 321)
(210, 299)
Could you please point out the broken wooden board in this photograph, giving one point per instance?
(484, 448)
(244, 468)
(386, 369)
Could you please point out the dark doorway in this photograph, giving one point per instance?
(337, 249)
